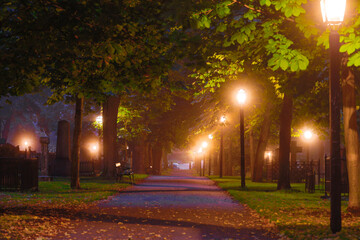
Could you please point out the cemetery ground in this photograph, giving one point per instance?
(297, 214)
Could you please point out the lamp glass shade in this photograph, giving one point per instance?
(99, 119)
(222, 119)
(308, 134)
(241, 96)
(333, 11)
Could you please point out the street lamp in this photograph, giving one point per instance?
(204, 146)
(99, 119)
(210, 136)
(222, 121)
(26, 143)
(308, 135)
(241, 98)
(333, 12)
(199, 152)
(94, 150)
(268, 165)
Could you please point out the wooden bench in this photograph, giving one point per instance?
(121, 171)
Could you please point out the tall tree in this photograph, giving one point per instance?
(110, 114)
(351, 138)
(90, 49)
(75, 151)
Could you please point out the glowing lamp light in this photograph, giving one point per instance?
(118, 164)
(222, 119)
(241, 96)
(94, 148)
(26, 143)
(308, 134)
(200, 150)
(210, 136)
(99, 119)
(333, 11)
(269, 155)
(204, 144)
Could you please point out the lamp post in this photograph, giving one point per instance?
(333, 12)
(200, 151)
(269, 165)
(26, 143)
(210, 137)
(241, 98)
(308, 135)
(222, 121)
(204, 146)
(93, 150)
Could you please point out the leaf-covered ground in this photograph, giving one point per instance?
(42, 214)
(180, 206)
(297, 214)
(160, 207)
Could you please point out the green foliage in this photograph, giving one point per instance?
(235, 29)
(222, 9)
(88, 48)
(283, 57)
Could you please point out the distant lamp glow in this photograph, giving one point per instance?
(222, 119)
(210, 136)
(333, 11)
(118, 164)
(200, 150)
(308, 134)
(204, 144)
(94, 148)
(26, 143)
(241, 96)
(99, 119)
(268, 154)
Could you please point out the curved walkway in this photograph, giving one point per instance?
(180, 206)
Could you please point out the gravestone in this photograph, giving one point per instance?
(62, 159)
(44, 159)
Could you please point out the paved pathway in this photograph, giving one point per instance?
(180, 206)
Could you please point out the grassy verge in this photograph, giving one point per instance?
(297, 214)
(38, 215)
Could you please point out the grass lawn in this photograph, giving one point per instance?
(27, 215)
(297, 214)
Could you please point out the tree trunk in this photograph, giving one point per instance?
(351, 140)
(110, 113)
(148, 157)
(261, 147)
(252, 153)
(285, 138)
(138, 157)
(75, 153)
(156, 157)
